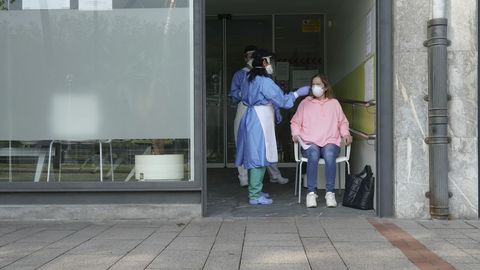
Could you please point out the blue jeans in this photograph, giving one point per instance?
(329, 153)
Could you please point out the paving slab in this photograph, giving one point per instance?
(274, 266)
(233, 247)
(274, 255)
(355, 235)
(77, 262)
(4, 261)
(179, 259)
(372, 255)
(450, 224)
(37, 259)
(46, 236)
(272, 227)
(192, 243)
(222, 261)
(130, 265)
(126, 233)
(475, 223)
(18, 250)
(18, 235)
(201, 228)
(310, 229)
(105, 247)
(322, 254)
(463, 266)
(272, 240)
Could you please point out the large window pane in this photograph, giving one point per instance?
(76, 84)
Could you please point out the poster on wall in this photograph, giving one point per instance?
(95, 4)
(282, 71)
(369, 68)
(45, 4)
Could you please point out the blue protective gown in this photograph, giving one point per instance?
(237, 80)
(256, 142)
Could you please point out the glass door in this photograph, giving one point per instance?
(298, 43)
(226, 38)
(215, 91)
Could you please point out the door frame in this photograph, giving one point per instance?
(384, 128)
(384, 116)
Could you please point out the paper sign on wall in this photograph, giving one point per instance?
(311, 25)
(95, 4)
(369, 34)
(46, 4)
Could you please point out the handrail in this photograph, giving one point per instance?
(368, 103)
(363, 135)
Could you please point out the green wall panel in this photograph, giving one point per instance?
(352, 87)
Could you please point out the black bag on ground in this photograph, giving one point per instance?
(359, 190)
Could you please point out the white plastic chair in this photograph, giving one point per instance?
(344, 156)
(100, 142)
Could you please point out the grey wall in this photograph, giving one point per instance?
(410, 110)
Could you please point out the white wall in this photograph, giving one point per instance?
(346, 38)
(347, 46)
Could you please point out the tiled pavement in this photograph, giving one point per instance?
(239, 243)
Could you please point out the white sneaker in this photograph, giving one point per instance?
(330, 197)
(311, 200)
(280, 180)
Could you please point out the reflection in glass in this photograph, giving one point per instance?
(74, 161)
(88, 92)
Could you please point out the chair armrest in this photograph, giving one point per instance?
(347, 151)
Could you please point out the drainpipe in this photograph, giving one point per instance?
(437, 98)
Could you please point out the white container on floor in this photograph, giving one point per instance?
(159, 167)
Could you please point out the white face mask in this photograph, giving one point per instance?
(249, 62)
(318, 91)
(269, 69)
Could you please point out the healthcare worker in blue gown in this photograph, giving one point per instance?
(256, 142)
(238, 78)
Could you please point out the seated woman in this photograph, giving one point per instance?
(321, 124)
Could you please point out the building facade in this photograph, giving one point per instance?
(107, 107)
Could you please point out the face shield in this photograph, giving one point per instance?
(248, 57)
(271, 64)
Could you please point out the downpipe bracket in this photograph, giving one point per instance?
(427, 98)
(427, 194)
(438, 140)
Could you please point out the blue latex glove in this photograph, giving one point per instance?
(303, 91)
(278, 115)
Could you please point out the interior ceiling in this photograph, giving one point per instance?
(214, 7)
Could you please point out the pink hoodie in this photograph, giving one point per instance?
(320, 122)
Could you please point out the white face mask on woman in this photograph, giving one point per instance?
(318, 90)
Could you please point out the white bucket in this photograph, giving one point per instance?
(159, 167)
